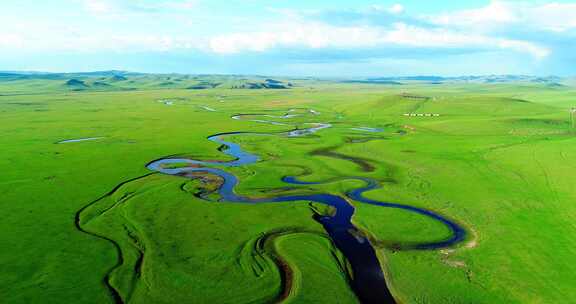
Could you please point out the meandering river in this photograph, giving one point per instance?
(367, 278)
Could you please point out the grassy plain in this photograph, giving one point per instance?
(499, 159)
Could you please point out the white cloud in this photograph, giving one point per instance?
(115, 7)
(554, 16)
(320, 35)
(11, 41)
(497, 12)
(415, 36)
(550, 16)
(32, 38)
(306, 34)
(185, 5)
(394, 9)
(99, 6)
(460, 30)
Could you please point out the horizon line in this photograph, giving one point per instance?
(120, 71)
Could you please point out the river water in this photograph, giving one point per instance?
(367, 278)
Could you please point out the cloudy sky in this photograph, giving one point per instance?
(291, 37)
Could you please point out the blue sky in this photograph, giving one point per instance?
(358, 38)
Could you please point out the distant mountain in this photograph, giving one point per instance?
(548, 80)
(75, 84)
(409, 78)
(9, 76)
(110, 73)
(374, 81)
(266, 84)
(115, 80)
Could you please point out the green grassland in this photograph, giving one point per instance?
(79, 218)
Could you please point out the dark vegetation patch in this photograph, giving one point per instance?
(357, 140)
(116, 78)
(363, 163)
(537, 121)
(25, 103)
(76, 83)
(414, 96)
(518, 100)
(101, 84)
(204, 85)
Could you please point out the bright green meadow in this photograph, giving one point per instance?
(87, 222)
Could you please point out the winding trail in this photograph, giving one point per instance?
(366, 276)
(78, 140)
